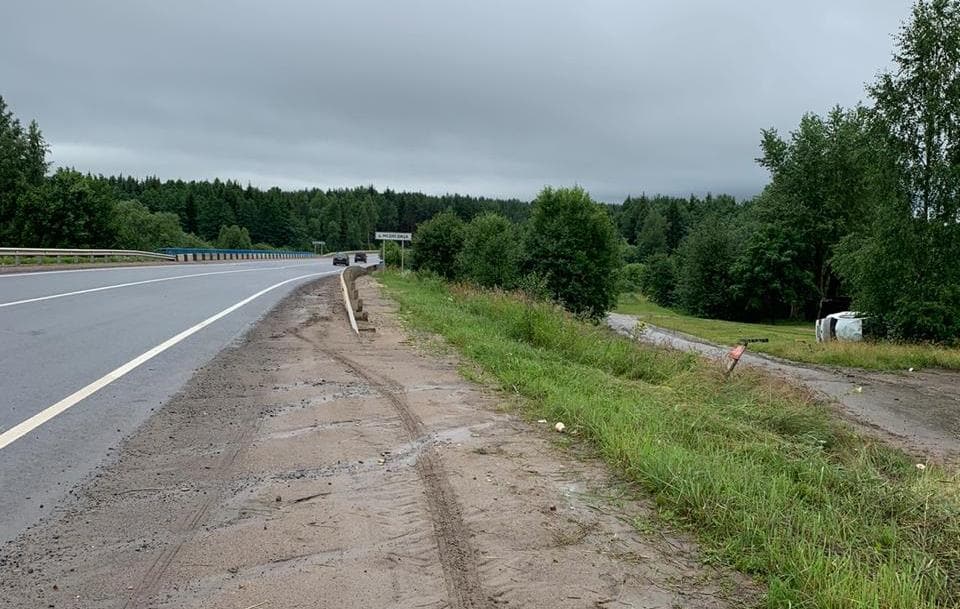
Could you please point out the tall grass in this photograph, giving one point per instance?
(765, 478)
(795, 341)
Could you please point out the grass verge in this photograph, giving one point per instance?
(10, 261)
(795, 341)
(769, 483)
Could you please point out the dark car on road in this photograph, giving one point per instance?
(341, 259)
(360, 257)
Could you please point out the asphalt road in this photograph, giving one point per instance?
(63, 333)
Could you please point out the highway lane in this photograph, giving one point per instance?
(62, 331)
(24, 286)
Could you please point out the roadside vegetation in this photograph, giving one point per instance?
(764, 477)
(568, 251)
(861, 211)
(54, 260)
(794, 340)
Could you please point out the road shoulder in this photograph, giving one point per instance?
(310, 467)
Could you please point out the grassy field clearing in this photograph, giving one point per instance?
(764, 477)
(794, 341)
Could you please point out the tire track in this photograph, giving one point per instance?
(151, 579)
(457, 557)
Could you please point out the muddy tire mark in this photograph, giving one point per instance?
(150, 583)
(457, 556)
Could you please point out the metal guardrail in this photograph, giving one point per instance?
(60, 253)
(172, 254)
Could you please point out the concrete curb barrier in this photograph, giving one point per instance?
(351, 299)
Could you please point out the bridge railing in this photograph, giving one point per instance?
(190, 254)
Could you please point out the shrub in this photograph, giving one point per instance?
(534, 287)
(704, 277)
(572, 243)
(630, 253)
(935, 320)
(68, 209)
(391, 254)
(491, 251)
(437, 244)
(902, 270)
(658, 281)
(136, 228)
(631, 277)
(234, 237)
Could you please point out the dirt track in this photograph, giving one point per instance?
(917, 411)
(307, 467)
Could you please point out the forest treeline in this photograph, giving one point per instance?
(71, 209)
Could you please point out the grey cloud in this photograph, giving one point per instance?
(490, 97)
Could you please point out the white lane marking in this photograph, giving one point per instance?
(133, 283)
(136, 267)
(21, 429)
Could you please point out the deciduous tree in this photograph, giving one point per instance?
(573, 244)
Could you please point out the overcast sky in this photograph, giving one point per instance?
(482, 97)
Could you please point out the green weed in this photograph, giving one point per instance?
(795, 341)
(766, 479)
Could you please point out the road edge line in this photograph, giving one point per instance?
(47, 414)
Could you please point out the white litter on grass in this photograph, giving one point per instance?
(560, 427)
(921, 466)
(910, 370)
(541, 420)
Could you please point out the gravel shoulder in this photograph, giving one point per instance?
(916, 411)
(309, 467)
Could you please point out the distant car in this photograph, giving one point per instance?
(341, 259)
(360, 257)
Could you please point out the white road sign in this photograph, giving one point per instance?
(393, 236)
